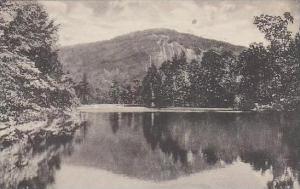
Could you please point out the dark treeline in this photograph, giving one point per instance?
(206, 83)
(262, 76)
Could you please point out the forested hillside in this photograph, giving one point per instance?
(126, 58)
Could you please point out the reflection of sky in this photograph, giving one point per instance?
(236, 176)
(227, 20)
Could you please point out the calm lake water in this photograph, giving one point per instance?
(162, 150)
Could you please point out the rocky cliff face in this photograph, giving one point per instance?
(127, 57)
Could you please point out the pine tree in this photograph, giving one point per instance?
(151, 87)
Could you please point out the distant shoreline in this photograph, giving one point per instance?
(107, 108)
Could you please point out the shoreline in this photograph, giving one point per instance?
(11, 134)
(109, 108)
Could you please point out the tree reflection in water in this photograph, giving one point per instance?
(32, 163)
(265, 141)
(161, 146)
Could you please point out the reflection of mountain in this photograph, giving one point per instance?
(160, 146)
(32, 163)
(163, 146)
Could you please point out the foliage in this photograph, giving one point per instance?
(151, 87)
(115, 92)
(260, 77)
(31, 33)
(32, 84)
(257, 74)
(275, 29)
(175, 81)
(83, 90)
(269, 73)
(129, 94)
(25, 92)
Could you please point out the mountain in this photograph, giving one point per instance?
(126, 58)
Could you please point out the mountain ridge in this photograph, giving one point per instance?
(147, 30)
(126, 58)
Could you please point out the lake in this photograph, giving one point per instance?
(162, 150)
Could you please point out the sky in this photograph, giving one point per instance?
(85, 21)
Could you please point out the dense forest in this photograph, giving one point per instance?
(33, 86)
(261, 77)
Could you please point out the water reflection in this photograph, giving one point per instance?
(32, 163)
(208, 140)
(160, 147)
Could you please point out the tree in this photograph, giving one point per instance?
(115, 92)
(168, 92)
(126, 95)
(276, 30)
(181, 80)
(136, 92)
(257, 84)
(175, 81)
(83, 90)
(295, 52)
(27, 93)
(32, 34)
(230, 78)
(151, 87)
(269, 74)
(196, 77)
(213, 70)
(292, 86)
(7, 9)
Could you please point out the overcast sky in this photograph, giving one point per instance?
(226, 20)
